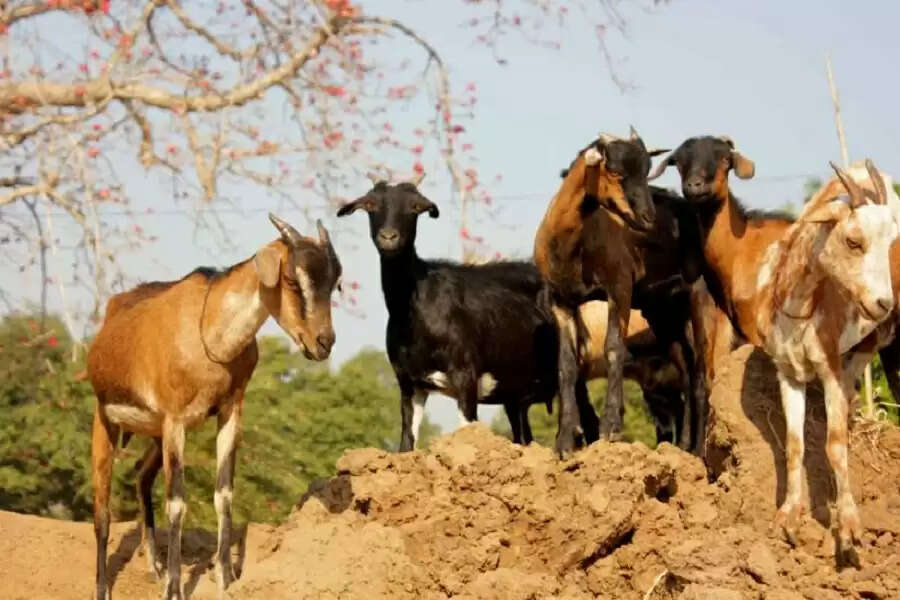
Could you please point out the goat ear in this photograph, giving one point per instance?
(350, 207)
(657, 151)
(661, 167)
(423, 205)
(743, 167)
(828, 212)
(593, 156)
(268, 266)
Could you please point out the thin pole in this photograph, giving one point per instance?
(868, 407)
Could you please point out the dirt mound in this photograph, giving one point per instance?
(476, 517)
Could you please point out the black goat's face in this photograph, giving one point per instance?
(393, 215)
(616, 178)
(704, 163)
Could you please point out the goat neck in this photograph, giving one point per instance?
(232, 313)
(560, 229)
(735, 247)
(399, 275)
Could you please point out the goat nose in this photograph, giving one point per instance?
(388, 235)
(325, 341)
(694, 185)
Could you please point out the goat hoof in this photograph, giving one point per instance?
(173, 591)
(156, 567)
(785, 523)
(565, 446)
(848, 556)
(612, 436)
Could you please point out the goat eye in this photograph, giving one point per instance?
(853, 244)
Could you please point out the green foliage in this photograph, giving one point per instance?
(810, 187)
(884, 400)
(299, 417)
(639, 425)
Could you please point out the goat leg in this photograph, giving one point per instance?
(407, 439)
(590, 424)
(682, 357)
(515, 420)
(103, 442)
(173, 467)
(527, 437)
(229, 422)
(150, 465)
(890, 360)
(466, 384)
(701, 348)
(793, 402)
(612, 419)
(569, 433)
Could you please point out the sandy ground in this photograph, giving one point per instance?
(476, 517)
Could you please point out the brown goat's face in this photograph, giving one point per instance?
(704, 163)
(616, 178)
(393, 215)
(297, 280)
(856, 252)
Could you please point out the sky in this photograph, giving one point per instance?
(754, 71)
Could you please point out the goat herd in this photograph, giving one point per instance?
(628, 280)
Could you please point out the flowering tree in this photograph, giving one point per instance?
(220, 101)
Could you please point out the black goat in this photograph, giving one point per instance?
(472, 332)
(607, 235)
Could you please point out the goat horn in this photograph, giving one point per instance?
(660, 169)
(287, 231)
(324, 240)
(374, 178)
(606, 138)
(727, 140)
(857, 197)
(634, 134)
(417, 179)
(877, 182)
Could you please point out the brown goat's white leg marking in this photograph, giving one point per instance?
(226, 449)
(793, 401)
(103, 442)
(849, 525)
(173, 467)
(150, 466)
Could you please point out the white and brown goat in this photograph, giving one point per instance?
(170, 354)
(813, 294)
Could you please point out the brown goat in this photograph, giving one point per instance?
(170, 354)
(814, 294)
(834, 188)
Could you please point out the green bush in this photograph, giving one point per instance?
(639, 424)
